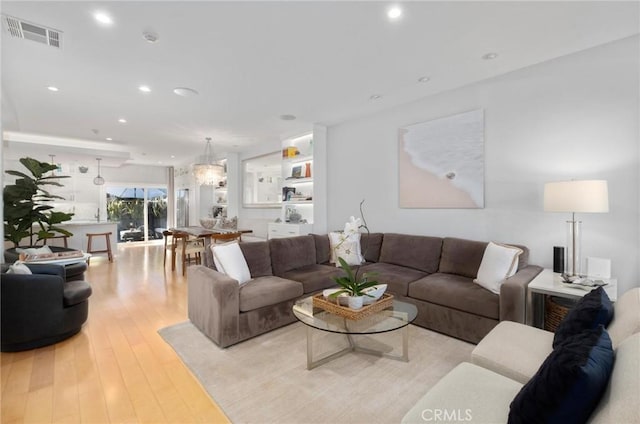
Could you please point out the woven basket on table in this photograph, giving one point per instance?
(555, 309)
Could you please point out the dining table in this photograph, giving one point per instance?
(205, 233)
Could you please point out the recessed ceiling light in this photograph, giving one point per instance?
(122, 121)
(424, 79)
(109, 139)
(52, 88)
(374, 97)
(160, 162)
(173, 156)
(144, 89)
(185, 91)
(394, 12)
(103, 18)
(490, 56)
(288, 117)
(150, 36)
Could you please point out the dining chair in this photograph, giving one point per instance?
(226, 237)
(168, 247)
(188, 246)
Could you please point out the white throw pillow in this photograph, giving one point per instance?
(31, 251)
(229, 260)
(346, 247)
(19, 268)
(498, 262)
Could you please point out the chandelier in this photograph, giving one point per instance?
(98, 180)
(207, 172)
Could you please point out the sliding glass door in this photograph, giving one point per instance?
(141, 212)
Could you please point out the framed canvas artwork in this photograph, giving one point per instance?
(441, 162)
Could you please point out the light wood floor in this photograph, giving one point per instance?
(117, 369)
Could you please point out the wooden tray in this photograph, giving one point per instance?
(331, 306)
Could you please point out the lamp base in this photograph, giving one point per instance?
(572, 265)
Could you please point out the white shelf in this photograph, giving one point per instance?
(298, 159)
(298, 180)
(298, 202)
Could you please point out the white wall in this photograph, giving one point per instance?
(572, 117)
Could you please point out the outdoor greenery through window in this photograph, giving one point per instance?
(141, 213)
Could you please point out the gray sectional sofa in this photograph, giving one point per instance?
(435, 274)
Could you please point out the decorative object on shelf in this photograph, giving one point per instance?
(307, 170)
(290, 152)
(287, 192)
(294, 216)
(98, 180)
(296, 172)
(83, 169)
(586, 196)
(206, 171)
(26, 203)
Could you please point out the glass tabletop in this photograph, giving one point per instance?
(398, 315)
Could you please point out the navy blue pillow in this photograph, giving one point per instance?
(570, 382)
(592, 310)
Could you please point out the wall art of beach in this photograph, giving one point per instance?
(441, 162)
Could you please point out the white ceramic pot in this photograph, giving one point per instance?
(356, 302)
(374, 293)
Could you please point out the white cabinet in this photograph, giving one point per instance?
(280, 230)
(297, 175)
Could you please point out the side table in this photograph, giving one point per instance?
(550, 283)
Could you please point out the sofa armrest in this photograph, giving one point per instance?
(513, 294)
(214, 304)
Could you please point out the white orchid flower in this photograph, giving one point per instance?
(352, 226)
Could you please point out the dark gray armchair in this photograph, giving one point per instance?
(40, 309)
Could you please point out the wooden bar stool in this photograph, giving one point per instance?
(107, 238)
(64, 239)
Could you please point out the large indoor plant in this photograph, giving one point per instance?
(27, 205)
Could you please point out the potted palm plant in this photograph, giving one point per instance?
(26, 204)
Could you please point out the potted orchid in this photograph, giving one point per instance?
(353, 285)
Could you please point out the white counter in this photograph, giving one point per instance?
(81, 228)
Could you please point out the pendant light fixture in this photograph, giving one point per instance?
(98, 180)
(206, 172)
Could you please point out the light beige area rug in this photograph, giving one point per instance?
(265, 380)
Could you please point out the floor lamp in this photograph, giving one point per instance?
(587, 196)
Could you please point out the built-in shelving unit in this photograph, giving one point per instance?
(297, 176)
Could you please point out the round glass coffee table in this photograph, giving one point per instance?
(396, 317)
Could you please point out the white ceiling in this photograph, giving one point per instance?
(254, 61)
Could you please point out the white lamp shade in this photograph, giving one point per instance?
(208, 173)
(576, 196)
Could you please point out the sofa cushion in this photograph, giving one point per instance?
(592, 310)
(315, 277)
(457, 292)
(396, 277)
(370, 244)
(468, 393)
(570, 382)
(323, 249)
(267, 291)
(498, 262)
(258, 258)
(514, 350)
(619, 403)
(292, 253)
(417, 252)
(461, 257)
(626, 317)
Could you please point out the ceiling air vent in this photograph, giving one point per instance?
(34, 32)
